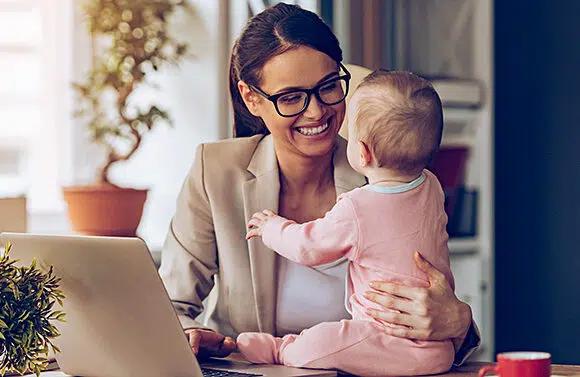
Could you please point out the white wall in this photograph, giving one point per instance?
(190, 93)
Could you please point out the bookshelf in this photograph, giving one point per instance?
(441, 38)
(464, 245)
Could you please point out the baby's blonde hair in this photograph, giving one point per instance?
(400, 120)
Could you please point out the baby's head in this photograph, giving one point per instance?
(396, 118)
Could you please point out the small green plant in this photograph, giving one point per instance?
(130, 40)
(27, 297)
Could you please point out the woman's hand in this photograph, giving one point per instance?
(432, 313)
(256, 223)
(207, 343)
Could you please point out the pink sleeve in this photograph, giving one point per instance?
(316, 242)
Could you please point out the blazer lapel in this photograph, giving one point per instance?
(262, 192)
(345, 177)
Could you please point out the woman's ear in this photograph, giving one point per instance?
(250, 98)
(366, 156)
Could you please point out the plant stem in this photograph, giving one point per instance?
(112, 156)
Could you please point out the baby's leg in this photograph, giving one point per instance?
(320, 341)
(363, 348)
(355, 347)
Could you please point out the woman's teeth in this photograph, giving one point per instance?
(311, 131)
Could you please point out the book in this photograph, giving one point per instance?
(461, 209)
(455, 92)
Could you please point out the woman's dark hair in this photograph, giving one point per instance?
(267, 34)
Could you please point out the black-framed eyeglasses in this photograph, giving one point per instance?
(293, 102)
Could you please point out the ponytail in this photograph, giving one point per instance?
(245, 123)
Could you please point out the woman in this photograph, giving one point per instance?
(284, 68)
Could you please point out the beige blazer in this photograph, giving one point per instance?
(206, 245)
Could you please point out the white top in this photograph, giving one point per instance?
(308, 296)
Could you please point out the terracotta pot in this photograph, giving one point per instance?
(104, 210)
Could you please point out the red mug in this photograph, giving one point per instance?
(520, 364)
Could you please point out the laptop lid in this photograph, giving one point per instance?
(119, 320)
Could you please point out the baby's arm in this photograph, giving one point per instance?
(313, 243)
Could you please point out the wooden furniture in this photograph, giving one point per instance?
(468, 370)
(471, 369)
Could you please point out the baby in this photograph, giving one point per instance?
(395, 124)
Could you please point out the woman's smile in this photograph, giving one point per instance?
(317, 134)
(312, 130)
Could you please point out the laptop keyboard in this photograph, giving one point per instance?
(208, 372)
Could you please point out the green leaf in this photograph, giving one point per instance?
(27, 295)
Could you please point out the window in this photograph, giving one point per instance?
(35, 51)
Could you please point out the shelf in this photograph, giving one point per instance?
(463, 245)
(454, 114)
(458, 140)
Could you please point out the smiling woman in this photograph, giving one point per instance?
(289, 158)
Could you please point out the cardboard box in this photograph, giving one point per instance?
(13, 215)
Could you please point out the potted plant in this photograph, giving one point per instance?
(27, 299)
(130, 40)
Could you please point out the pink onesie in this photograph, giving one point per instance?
(377, 228)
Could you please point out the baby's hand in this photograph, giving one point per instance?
(256, 223)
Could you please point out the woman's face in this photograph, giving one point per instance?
(313, 132)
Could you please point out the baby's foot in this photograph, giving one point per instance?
(259, 348)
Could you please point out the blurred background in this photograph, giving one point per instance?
(507, 72)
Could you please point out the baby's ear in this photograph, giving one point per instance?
(366, 156)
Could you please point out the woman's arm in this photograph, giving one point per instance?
(189, 257)
(432, 313)
(189, 262)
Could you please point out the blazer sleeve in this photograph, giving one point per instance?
(471, 342)
(189, 256)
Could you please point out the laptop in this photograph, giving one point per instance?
(119, 318)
